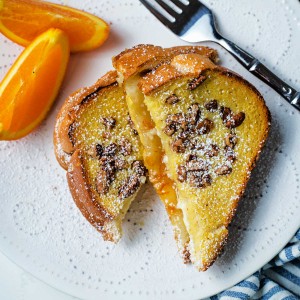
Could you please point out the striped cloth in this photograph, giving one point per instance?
(277, 280)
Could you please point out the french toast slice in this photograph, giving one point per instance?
(212, 124)
(96, 143)
(131, 64)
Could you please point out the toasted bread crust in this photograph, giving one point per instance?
(129, 60)
(63, 146)
(181, 65)
(83, 197)
(143, 57)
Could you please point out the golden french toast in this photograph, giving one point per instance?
(96, 143)
(212, 124)
(198, 128)
(131, 64)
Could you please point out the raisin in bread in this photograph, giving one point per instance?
(95, 141)
(131, 64)
(212, 124)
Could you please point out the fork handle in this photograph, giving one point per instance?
(262, 72)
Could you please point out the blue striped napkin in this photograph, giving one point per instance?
(277, 280)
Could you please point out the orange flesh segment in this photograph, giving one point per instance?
(31, 85)
(23, 20)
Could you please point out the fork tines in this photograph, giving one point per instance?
(154, 10)
(173, 13)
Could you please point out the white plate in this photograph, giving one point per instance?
(43, 231)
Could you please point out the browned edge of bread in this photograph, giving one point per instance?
(83, 197)
(181, 65)
(140, 57)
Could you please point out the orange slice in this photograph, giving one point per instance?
(31, 85)
(23, 20)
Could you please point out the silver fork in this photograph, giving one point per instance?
(193, 22)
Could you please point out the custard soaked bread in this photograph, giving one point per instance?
(95, 141)
(131, 64)
(212, 125)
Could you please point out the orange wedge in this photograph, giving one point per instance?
(23, 20)
(31, 85)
